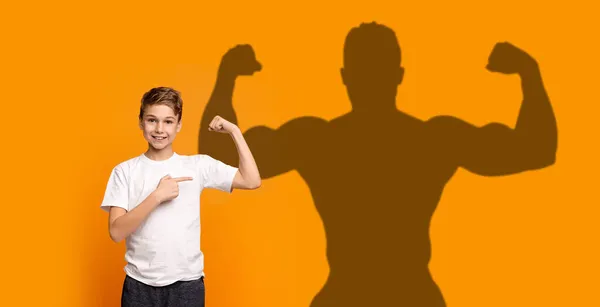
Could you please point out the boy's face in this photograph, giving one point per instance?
(160, 126)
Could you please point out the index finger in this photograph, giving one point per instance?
(179, 179)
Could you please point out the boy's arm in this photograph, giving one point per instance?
(248, 176)
(122, 223)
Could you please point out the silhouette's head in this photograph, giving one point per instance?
(372, 65)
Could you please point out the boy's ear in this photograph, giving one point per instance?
(179, 126)
(140, 124)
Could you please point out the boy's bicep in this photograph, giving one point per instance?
(238, 181)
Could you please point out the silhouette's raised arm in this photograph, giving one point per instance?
(276, 151)
(496, 149)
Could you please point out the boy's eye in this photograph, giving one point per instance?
(169, 122)
(152, 120)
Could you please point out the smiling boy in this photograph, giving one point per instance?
(153, 202)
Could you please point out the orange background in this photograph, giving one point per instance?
(73, 75)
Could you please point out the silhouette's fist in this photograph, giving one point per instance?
(508, 59)
(240, 61)
(219, 124)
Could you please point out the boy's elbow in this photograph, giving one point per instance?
(255, 184)
(116, 239)
(115, 236)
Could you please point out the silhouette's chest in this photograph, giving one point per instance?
(401, 157)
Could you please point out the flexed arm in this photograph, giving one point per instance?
(238, 61)
(496, 149)
(275, 151)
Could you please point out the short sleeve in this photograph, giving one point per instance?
(216, 174)
(117, 192)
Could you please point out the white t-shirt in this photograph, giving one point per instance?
(165, 248)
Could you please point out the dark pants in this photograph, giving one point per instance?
(179, 294)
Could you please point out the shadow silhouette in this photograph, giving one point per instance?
(376, 174)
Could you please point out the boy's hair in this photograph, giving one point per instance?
(165, 96)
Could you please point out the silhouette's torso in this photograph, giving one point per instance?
(376, 183)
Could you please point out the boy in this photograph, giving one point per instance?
(153, 202)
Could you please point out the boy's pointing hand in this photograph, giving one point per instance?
(168, 187)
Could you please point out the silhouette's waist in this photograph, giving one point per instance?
(409, 253)
(373, 290)
(389, 271)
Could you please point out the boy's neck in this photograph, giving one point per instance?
(159, 155)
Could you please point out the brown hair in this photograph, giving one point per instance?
(165, 96)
